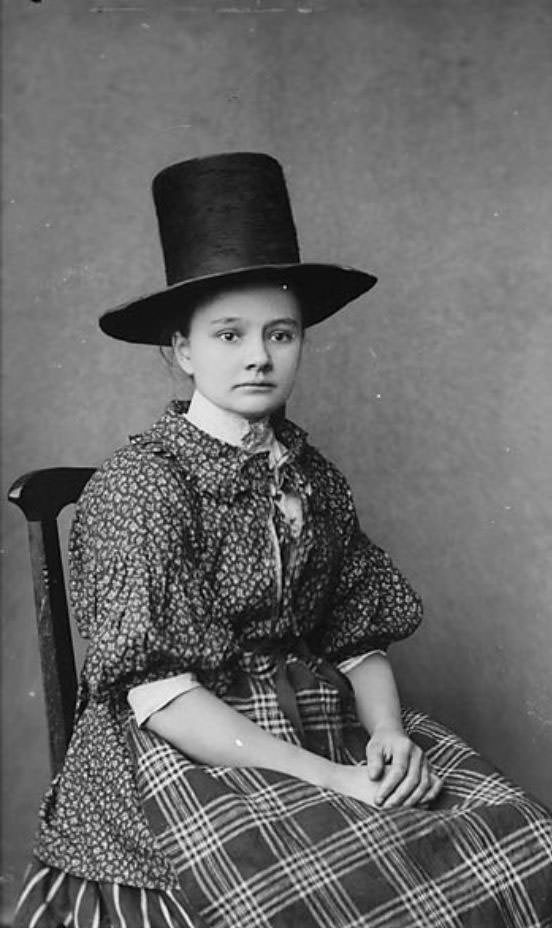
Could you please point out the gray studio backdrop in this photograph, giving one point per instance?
(416, 137)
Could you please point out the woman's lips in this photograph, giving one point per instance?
(255, 386)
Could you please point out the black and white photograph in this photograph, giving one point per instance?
(276, 442)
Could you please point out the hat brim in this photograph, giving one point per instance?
(322, 290)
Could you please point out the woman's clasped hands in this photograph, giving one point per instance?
(397, 773)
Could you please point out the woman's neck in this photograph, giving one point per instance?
(230, 427)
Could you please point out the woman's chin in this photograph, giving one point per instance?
(257, 406)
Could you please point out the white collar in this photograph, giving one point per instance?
(227, 426)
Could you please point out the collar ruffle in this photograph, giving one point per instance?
(217, 467)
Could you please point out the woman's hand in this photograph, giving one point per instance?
(402, 767)
(355, 781)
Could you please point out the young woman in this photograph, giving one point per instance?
(239, 756)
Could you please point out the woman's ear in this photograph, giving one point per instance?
(181, 349)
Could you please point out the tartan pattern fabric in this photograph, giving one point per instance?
(258, 849)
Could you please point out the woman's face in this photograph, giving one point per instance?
(243, 349)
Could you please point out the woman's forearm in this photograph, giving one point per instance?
(206, 729)
(376, 695)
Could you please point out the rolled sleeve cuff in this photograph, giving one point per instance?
(148, 698)
(352, 662)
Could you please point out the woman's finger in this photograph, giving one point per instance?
(395, 774)
(397, 770)
(409, 783)
(421, 792)
(435, 788)
(375, 759)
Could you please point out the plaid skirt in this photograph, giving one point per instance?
(254, 848)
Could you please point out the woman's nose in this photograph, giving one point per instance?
(257, 354)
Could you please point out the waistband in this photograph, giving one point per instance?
(279, 652)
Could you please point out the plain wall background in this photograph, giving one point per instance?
(416, 138)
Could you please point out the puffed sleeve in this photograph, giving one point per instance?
(372, 604)
(138, 591)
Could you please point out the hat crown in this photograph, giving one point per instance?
(225, 220)
(223, 212)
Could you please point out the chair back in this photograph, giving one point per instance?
(41, 495)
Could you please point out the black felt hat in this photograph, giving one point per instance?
(225, 220)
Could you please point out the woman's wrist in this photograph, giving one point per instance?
(387, 724)
(314, 769)
(376, 696)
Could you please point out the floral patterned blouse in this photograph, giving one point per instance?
(172, 569)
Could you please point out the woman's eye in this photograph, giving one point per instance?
(281, 335)
(227, 336)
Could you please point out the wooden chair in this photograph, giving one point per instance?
(41, 495)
